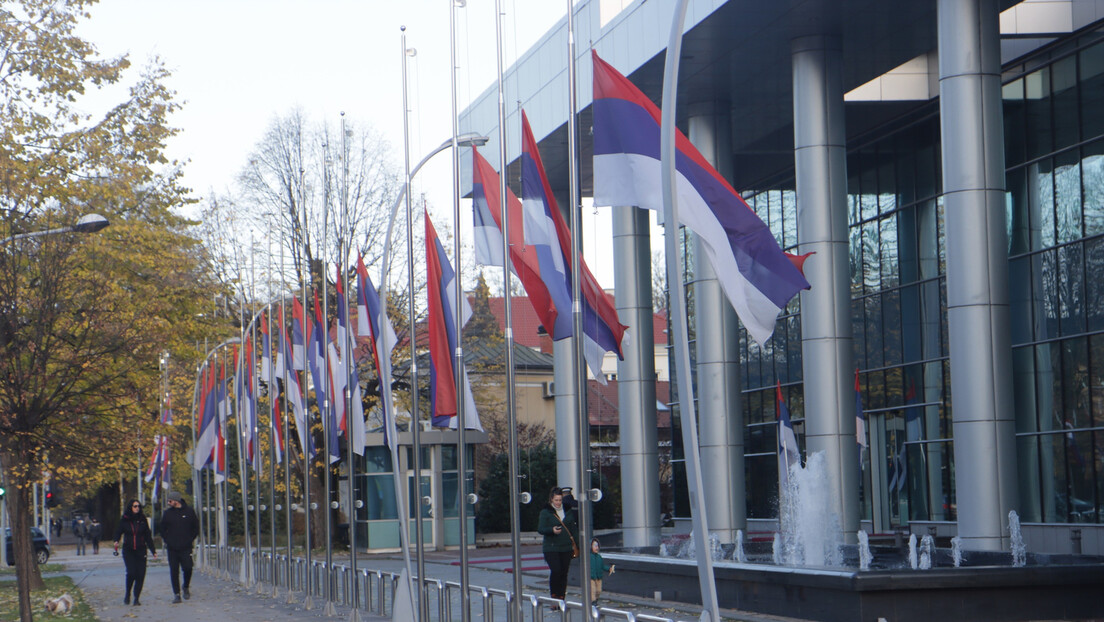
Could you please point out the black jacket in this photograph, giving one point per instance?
(134, 532)
(179, 527)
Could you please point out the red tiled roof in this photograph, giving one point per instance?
(526, 321)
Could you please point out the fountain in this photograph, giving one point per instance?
(956, 551)
(804, 572)
(865, 556)
(1019, 550)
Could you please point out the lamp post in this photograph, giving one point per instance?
(89, 223)
(470, 139)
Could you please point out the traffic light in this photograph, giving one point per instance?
(51, 499)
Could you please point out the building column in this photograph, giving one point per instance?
(820, 160)
(567, 419)
(720, 416)
(977, 270)
(636, 379)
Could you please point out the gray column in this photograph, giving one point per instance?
(636, 378)
(820, 160)
(720, 417)
(567, 423)
(977, 270)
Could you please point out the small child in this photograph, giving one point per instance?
(598, 569)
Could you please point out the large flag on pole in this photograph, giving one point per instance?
(266, 350)
(295, 402)
(355, 436)
(207, 424)
(444, 336)
(223, 413)
(323, 389)
(757, 277)
(788, 452)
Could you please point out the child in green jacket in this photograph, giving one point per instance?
(598, 569)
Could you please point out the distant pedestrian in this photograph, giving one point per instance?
(133, 534)
(81, 531)
(598, 569)
(559, 526)
(95, 533)
(179, 528)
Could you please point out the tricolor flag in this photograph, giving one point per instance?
(444, 336)
(788, 452)
(368, 316)
(222, 399)
(277, 428)
(295, 403)
(207, 432)
(159, 464)
(266, 350)
(166, 410)
(247, 406)
(319, 366)
(356, 436)
(757, 277)
(298, 330)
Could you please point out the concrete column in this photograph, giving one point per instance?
(636, 378)
(977, 270)
(567, 423)
(720, 418)
(820, 161)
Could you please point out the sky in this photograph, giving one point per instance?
(237, 64)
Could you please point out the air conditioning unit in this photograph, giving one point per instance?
(548, 390)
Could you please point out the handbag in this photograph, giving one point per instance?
(574, 547)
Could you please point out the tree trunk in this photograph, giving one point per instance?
(27, 574)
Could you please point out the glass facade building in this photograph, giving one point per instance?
(1053, 102)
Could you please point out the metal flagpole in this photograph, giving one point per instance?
(287, 439)
(347, 348)
(254, 421)
(511, 409)
(327, 419)
(461, 422)
(196, 477)
(583, 498)
(272, 508)
(245, 576)
(415, 413)
(308, 504)
(678, 320)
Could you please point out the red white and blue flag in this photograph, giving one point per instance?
(860, 418)
(207, 434)
(247, 406)
(159, 464)
(318, 362)
(222, 401)
(758, 278)
(444, 336)
(788, 451)
(295, 400)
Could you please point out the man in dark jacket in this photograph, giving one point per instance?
(179, 528)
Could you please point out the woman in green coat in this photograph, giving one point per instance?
(560, 528)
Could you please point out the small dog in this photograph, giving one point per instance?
(61, 605)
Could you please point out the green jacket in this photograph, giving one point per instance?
(561, 542)
(598, 566)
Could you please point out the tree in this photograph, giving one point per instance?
(83, 318)
(537, 468)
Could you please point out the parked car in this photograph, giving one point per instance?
(38, 539)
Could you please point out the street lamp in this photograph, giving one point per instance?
(471, 139)
(89, 223)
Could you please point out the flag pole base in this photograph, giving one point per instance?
(308, 603)
(354, 616)
(275, 591)
(329, 610)
(290, 598)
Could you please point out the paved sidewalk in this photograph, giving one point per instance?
(102, 580)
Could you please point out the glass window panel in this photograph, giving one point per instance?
(1041, 192)
(1067, 196)
(908, 259)
(761, 484)
(762, 439)
(946, 417)
(793, 326)
(1027, 459)
(1075, 383)
(1081, 504)
(944, 348)
(1019, 293)
(1017, 209)
(1037, 108)
(927, 243)
(858, 333)
(912, 329)
(448, 457)
(1014, 121)
(1071, 289)
(1092, 179)
(1044, 286)
(1091, 69)
(872, 277)
(1054, 482)
(927, 180)
(379, 495)
(887, 200)
(906, 168)
(415, 499)
(377, 460)
(789, 218)
(1064, 93)
(1096, 380)
(775, 208)
(1023, 389)
(940, 236)
(1097, 458)
(755, 407)
(855, 252)
(888, 249)
(1048, 385)
(874, 353)
(891, 327)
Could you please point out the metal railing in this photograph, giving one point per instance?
(378, 589)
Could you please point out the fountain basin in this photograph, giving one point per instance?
(1065, 587)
